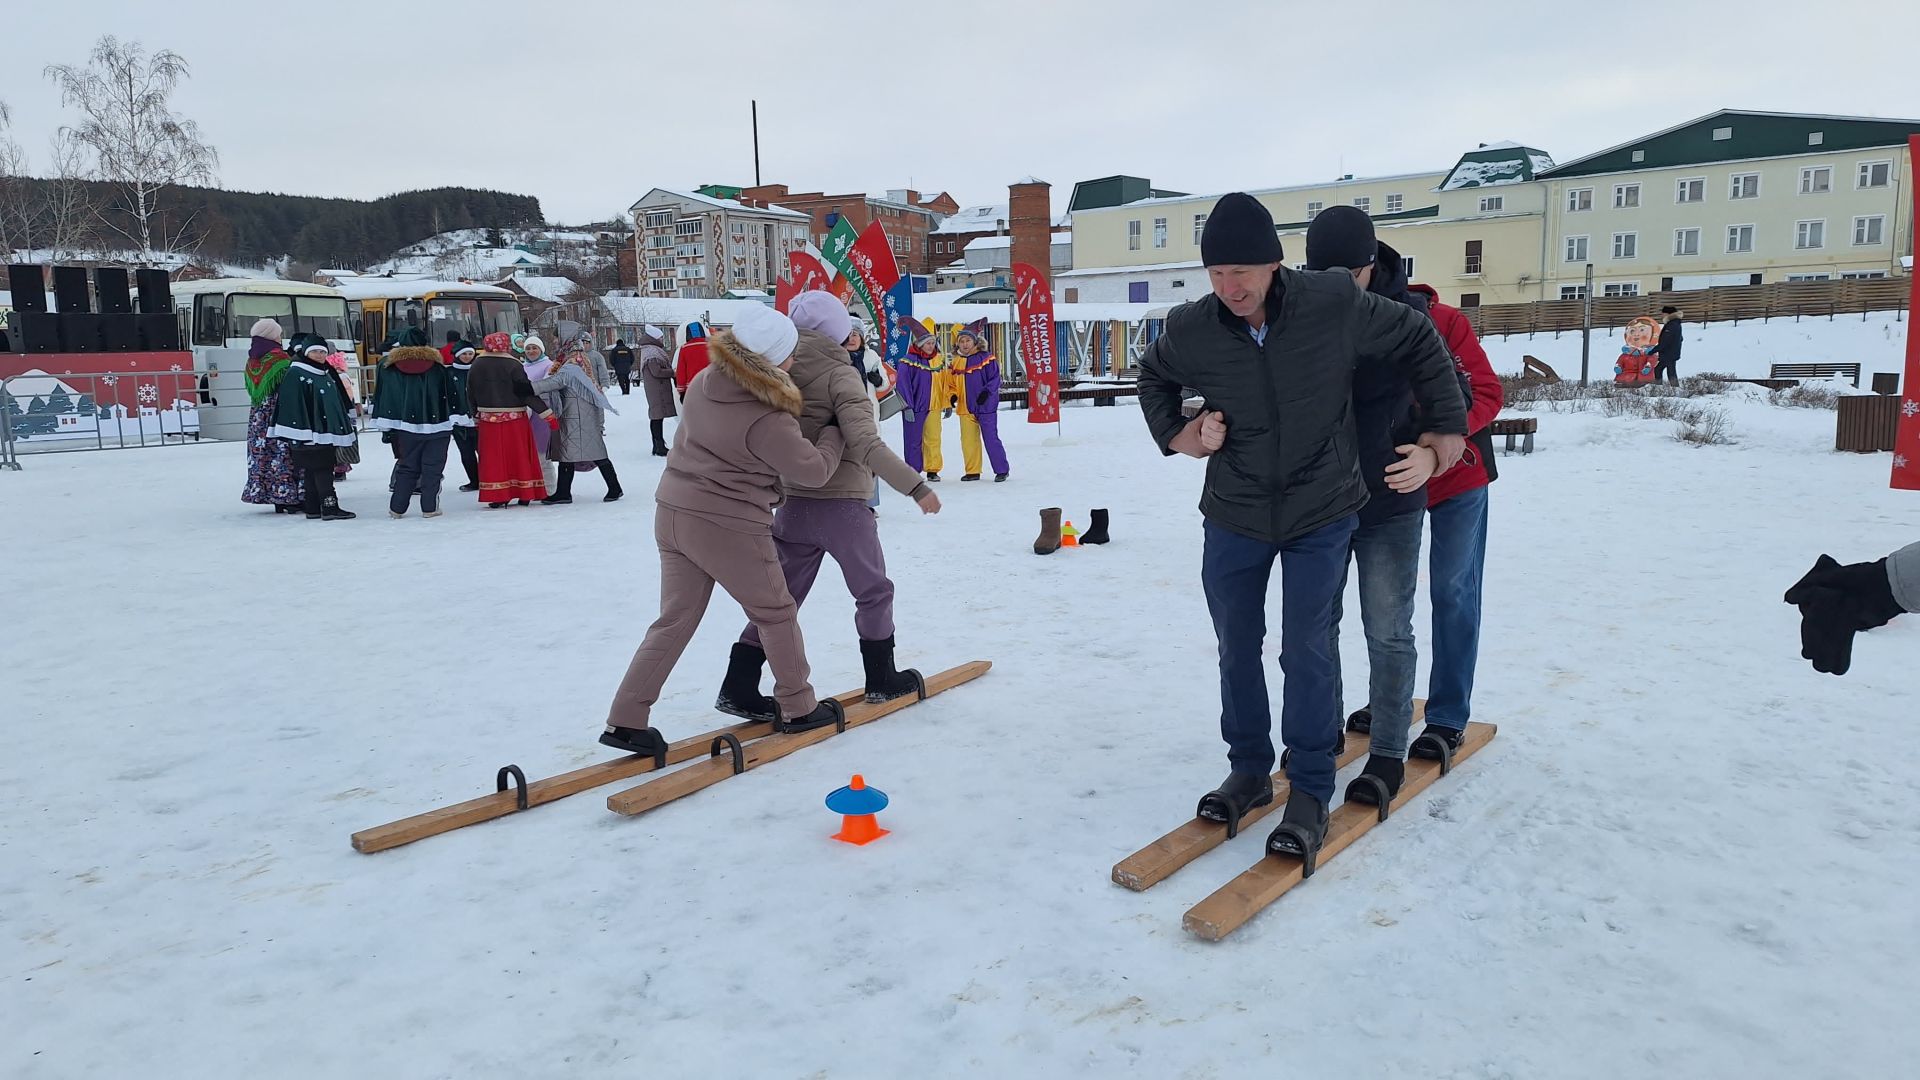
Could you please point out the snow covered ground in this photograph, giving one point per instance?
(1877, 341)
(1685, 855)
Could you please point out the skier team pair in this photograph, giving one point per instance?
(772, 470)
(1338, 402)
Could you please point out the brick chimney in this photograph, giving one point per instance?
(1030, 205)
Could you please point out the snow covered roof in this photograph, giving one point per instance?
(250, 285)
(553, 289)
(1193, 264)
(403, 288)
(1344, 182)
(985, 243)
(1496, 164)
(733, 205)
(634, 310)
(985, 218)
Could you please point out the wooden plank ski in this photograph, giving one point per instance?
(1233, 904)
(1158, 861)
(500, 804)
(659, 792)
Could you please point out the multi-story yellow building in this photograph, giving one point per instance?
(1730, 198)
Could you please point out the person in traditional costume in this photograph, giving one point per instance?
(465, 438)
(581, 439)
(916, 381)
(979, 373)
(501, 395)
(272, 478)
(414, 402)
(315, 415)
(538, 365)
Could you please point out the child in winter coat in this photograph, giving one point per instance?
(738, 441)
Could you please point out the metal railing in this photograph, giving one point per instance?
(44, 413)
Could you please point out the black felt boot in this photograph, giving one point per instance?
(740, 691)
(884, 683)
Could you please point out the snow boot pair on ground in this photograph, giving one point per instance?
(740, 690)
(1049, 539)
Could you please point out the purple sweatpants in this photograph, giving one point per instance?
(806, 529)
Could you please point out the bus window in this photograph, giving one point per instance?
(323, 315)
(452, 313)
(210, 319)
(402, 314)
(245, 309)
(501, 316)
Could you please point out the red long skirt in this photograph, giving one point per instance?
(509, 467)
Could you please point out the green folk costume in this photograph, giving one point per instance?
(314, 408)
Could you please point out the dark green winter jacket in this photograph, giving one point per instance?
(1290, 464)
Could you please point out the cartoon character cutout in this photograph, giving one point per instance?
(1637, 361)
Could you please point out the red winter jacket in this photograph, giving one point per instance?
(1471, 359)
(691, 361)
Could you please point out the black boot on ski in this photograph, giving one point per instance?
(823, 714)
(1381, 776)
(1361, 720)
(644, 740)
(1098, 533)
(740, 691)
(1302, 829)
(884, 683)
(1241, 792)
(1437, 743)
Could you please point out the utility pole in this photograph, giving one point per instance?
(756, 143)
(1586, 324)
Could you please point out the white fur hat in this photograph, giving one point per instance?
(766, 332)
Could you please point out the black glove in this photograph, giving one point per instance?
(1836, 602)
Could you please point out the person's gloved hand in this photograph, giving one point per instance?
(1837, 601)
(553, 422)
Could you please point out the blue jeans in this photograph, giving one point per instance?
(1235, 570)
(1388, 554)
(1459, 559)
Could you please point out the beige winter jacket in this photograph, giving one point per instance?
(738, 439)
(832, 389)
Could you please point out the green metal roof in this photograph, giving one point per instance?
(1491, 166)
(719, 191)
(1750, 135)
(1114, 191)
(1403, 215)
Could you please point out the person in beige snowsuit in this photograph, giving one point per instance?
(739, 438)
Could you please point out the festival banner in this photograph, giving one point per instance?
(1034, 307)
(873, 264)
(807, 273)
(1906, 440)
(898, 302)
(784, 290)
(838, 254)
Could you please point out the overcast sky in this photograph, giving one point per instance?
(588, 103)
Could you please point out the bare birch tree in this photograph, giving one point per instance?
(68, 206)
(139, 144)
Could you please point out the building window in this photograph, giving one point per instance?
(1491, 203)
(1573, 292)
(1820, 275)
(1810, 235)
(1576, 249)
(1177, 283)
(1739, 239)
(1874, 174)
(1686, 241)
(1639, 156)
(1722, 134)
(1620, 288)
(1626, 245)
(1363, 204)
(1816, 180)
(1133, 236)
(1159, 232)
(1469, 299)
(1313, 210)
(1744, 186)
(1396, 203)
(1816, 138)
(1473, 262)
(1862, 275)
(1199, 226)
(1406, 267)
(1869, 231)
(1626, 196)
(1579, 200)
(1691, 190)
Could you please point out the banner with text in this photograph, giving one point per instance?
(1033, 300)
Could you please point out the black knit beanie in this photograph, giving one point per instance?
(1239, 232)
(1341, 236)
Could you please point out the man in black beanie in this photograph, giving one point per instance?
(1274, 354)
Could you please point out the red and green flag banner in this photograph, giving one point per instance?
(1906, 440)
(838, 253)
(1033, 299)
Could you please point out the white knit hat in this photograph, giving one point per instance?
(653, 332)
(766, 332)
(268, 328)
(531, 341)
(822, 312)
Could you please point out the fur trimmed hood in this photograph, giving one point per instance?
(412, 359)
(751, 372)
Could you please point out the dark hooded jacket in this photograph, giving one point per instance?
(1383, 409)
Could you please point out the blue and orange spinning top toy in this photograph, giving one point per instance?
(857, 804)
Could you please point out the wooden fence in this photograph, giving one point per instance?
(1867, 423)
(1795, 299)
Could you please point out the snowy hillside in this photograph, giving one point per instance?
(466, 253)
(1685, 855)
(1876, 341)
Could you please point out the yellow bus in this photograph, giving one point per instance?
(381, 307)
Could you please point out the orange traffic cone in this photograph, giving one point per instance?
(857, 804)
(1069, 536)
